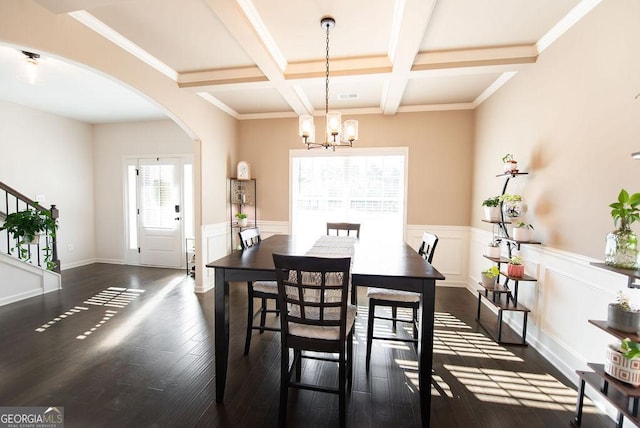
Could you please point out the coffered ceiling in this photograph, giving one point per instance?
(266, 58)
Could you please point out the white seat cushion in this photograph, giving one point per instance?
(395, 295)
(270, 287)
(326, 333)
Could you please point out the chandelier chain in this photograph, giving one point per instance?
(326, 87)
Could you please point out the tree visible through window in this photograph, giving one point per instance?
(366, 187)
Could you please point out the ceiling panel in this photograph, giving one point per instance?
(458, 24)
(362, 28)
(252, 100)
(446, 89)
(184, 34)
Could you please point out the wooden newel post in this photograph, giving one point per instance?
(55, 213)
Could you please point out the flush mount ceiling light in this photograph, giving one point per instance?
(337, 134)
(635, 155)
(31, 67)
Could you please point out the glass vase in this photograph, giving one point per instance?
(622, 249)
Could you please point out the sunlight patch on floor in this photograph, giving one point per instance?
(470, 344)
(535, 390)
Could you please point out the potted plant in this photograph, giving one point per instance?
(515, 268)
(493, 249)
(522, 231)
(27, 226)
(490, 276)
(242, 219)
(510, 164)
(492, 208)
(513, 206)
(622, 244)
(622, 315)
(622, 362)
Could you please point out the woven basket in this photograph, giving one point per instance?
(622, 368)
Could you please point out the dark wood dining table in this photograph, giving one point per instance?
(375, 263)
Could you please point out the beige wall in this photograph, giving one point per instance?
(48, 155)
(572, 120)
(440, 161)
(111, 144)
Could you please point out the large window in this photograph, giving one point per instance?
(366, 186)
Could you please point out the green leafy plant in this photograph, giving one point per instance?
(26, 225)
(240, 216)
(510, 198)
(523, 225)
(515, 260)
(491, 202)
(491, 272)
(508, 158)
(622, 300)
(630, 350)
(625, 210)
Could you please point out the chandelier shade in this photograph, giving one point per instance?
(336, 133)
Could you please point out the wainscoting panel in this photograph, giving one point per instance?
(568, 293)
(451, 257)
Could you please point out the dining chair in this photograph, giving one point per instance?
(398, 299)
(343, 227)
(263, 290)
(316, 317)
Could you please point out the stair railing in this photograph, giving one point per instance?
(13, 201)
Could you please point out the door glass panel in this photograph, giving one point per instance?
(158, 199)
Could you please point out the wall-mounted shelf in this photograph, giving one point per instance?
(632, 275)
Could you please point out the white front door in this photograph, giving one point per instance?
(160, 217)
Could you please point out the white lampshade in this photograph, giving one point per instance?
(305, 125)
(334, 124)
(350, 130)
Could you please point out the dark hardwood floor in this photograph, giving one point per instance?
(124, 346)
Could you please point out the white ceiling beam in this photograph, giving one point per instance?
(225, 76)
(410, 23)
(256, 42)
(66, 6)
(508, 55)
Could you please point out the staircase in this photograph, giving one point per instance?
(24, 273)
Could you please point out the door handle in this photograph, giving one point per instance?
(177, 218)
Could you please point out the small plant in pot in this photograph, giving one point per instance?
(242, 219)
(510, 164)
(492, 208)
(490, 276)
(493, 249)
(622, 315)
(515, 268)
(622, 362)
(522, 231)
(513, 207)
(622, 244)
(27, 226)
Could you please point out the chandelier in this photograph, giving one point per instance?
(337, 134)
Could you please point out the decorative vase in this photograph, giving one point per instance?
(521, 234)
(516, 271)
(619, 319)
(489, 282)
(514, 209)
(622, 249)
(242, 222)
(492, 213)
(622, 368)
(26, 241)
(494, 252)
(511, 166)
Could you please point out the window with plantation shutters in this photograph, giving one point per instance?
(356, 186)
(157, 196)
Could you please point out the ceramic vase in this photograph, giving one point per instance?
(516, 271)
